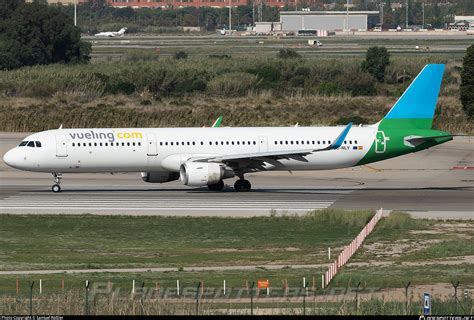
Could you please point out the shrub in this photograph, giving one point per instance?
(180, 55)
(233, 84)
(358, 83)
(328, 89)
(467, 82)
(288, 54)
(376, 60)
(269, 76)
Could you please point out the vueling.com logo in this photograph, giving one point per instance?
(110, 136)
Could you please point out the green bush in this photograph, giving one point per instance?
(328, 89)
(288, 54)
(180, 55)
(233, 84)
(376, 60)
(467, 82)
(269, 76)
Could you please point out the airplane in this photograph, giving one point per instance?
(207, 156)
(119, 33)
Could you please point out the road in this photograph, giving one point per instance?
(435, 183)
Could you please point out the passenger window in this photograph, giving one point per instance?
(128, 144)
(182, 143)
(350, 141)
(161, 143)
(95, 144)
(210, 143)
(227, 142)
(249, 142)
(243, 142)
(133, 144)
(222, 143)
(139, 143)
(297, 142)
(23, 143)
(194, 143)
(187, 143)
(171, 143)
(202, 143)
(291, 142)
(106, 144)
(100, 144)
(355, 141)
(166, 143)
(123, 144)
(238, 143)
(38, 144)
(329, 141)
(90, 144)
(286, 142)
(345, 142)
(232, 142)
(313, 142)
(307, 142)
(73, 144)
(254, 142)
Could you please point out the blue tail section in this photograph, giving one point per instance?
(419, 99)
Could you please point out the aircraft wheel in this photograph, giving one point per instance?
(242, 185)
(56, 188)
(216, 186)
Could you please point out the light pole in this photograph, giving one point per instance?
(230, 16)
(406, 16)
(75, 13)
(423, 7)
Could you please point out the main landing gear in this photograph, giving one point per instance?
(240, 185)
(57, 181)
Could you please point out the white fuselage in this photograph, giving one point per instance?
(139, 150)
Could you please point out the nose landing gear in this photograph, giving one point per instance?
(57, 181)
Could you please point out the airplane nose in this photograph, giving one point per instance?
(11, 158)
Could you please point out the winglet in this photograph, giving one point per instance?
(217, 123)
(340, 139)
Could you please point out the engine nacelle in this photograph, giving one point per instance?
(201, 174)
(159, 176)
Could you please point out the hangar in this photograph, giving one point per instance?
(328, 20)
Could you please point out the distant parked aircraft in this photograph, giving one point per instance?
(119, 33)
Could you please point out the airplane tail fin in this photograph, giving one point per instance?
(416, 107)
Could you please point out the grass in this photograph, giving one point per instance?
(52, 242)
(48, 241)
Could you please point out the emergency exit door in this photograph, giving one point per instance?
(61, 146)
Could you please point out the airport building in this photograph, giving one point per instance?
(293, 21)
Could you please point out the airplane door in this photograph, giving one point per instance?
(61, 146)
(152, 150)
(380, 142)
(262, 144)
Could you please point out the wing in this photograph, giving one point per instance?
(257, 160)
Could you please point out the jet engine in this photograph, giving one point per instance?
(159, 176)
(201, 174)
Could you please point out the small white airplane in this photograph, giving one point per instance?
(207, 156)
(119, 33)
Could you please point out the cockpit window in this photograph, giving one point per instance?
(31, 144)
(38, 144)
(23, 143)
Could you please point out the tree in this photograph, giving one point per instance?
(40, 34)
(376, 60)
(467, 82)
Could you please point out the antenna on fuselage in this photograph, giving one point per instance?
(60, 127)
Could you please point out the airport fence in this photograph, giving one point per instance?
(100, 298)
(352, 248)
